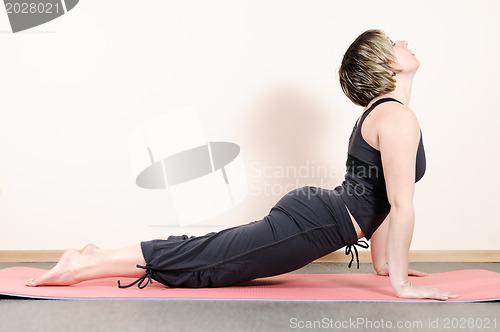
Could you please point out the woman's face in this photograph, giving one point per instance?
(406, 60)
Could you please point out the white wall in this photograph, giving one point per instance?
(263, 75)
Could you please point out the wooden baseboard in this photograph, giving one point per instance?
(29, 256)
(466, 256)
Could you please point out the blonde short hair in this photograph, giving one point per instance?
(368, 67)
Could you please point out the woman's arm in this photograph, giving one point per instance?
(378, 243)
(399, 135)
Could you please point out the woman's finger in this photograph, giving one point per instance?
(425, 292)
(416, 273)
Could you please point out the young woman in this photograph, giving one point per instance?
(385, 159)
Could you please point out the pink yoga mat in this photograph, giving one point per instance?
(471, 285)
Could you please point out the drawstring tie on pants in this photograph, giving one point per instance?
(348, 250)
(148, 274)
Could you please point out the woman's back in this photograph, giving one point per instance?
(363, 190)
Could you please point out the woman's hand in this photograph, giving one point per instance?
(384, 271)
(415, 291)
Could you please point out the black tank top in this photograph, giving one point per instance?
(363, 190)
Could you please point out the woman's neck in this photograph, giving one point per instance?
(402, 92)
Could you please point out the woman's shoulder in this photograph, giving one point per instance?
(389, 121)
(398, 130)
(395, 115)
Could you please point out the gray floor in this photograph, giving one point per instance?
(208, 315)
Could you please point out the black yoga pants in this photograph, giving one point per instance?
(304, 225)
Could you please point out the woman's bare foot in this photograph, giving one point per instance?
(64, 273)
(91, 250)
(92, 263)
